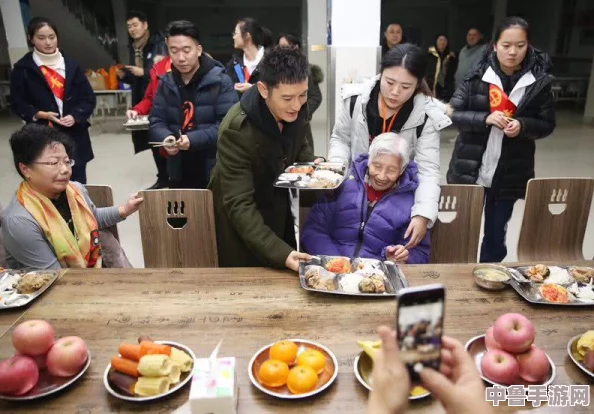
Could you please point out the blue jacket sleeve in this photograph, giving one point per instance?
(206, 138)
(85, 97)
(315, 236)
(159, 128)
(18, 96)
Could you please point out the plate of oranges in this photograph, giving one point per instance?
(293, 369)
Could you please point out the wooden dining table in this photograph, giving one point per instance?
(250, 307)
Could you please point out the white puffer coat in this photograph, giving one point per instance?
(350, 138)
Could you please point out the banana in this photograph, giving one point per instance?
(149, 386)
(175, 374)
(370, 347)
(182, 359)
(586, 343)
(155, 365)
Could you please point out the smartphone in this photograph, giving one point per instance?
(419, 325)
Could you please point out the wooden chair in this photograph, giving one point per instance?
(455, 234)
(177, 228)
(102, 196)
(555, 219)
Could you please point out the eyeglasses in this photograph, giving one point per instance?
(57, 164)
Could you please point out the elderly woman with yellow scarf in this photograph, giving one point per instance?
(51, 222)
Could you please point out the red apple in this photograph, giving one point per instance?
(67, 356)
(34, 337)
(534, 365)
(40, 360)
(514, 333)
(500, 367)
(490, 342)
(18, 375)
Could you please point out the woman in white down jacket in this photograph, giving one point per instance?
(397, 100)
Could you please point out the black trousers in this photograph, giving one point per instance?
(497, 215)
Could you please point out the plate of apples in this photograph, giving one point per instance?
(506, 354)
(581, 351)
(42, 365)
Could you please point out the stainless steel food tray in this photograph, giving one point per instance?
(394, 279)
(28, 297)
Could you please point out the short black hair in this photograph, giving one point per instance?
(37, 23)
(283, 65)
(183, 28)
(136, 14)
(30, 141)
(291, 39)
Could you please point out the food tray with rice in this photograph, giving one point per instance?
(554, 285)
(352, 277)
(18, 288)
(309, 176)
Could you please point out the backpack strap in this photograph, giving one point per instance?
(420, 127)
(352, 104)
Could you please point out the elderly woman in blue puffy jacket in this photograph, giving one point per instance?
(369, 214)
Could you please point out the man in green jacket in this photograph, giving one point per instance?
(260, 136)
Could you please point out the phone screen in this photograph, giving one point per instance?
(420, 325)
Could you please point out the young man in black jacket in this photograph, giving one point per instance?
(191, 101)
(145, 49)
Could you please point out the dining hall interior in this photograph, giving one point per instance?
(175, 289)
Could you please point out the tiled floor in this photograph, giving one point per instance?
(568, 153)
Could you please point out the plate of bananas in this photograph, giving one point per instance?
(148, 370)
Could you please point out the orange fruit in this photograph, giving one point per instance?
(313, 359)
(285, 351)
(302, 379)
(273, 373)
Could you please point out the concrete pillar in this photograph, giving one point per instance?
(119, 18)
(15, 30)
(589, 109)
(355, 51)
(317, 53)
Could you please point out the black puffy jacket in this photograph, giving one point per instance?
(535, 112)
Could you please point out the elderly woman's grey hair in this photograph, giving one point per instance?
(390, 143)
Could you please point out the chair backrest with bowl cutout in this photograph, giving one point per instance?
(455, 234)
(555, 219)
(177, 228)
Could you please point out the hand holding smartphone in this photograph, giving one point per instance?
(419, 327)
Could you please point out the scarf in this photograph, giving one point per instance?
(80, 249)
(53, 68)
(139, 45)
